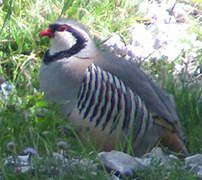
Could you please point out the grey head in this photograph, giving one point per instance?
(68, 38)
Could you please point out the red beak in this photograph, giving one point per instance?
(46, 32)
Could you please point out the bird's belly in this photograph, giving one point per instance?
(93, 136)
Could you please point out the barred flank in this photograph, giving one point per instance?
(109, 103)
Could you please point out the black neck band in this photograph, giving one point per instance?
(80, 44)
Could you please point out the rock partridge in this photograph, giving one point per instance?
(108, 99)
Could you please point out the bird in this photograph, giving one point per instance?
(110, 101)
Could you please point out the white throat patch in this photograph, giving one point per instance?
(62, 41)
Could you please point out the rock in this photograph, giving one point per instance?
(19, 164)
(125, 165)
(122, 163)
(84, 163)
(159, 156)
(194, 163)
(61, 159)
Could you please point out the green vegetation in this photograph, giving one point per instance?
(28, 121)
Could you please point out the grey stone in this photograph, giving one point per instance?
(194, 163)
(19, 163)
(120, 162)
(125, 165)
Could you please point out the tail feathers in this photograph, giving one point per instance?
(174, 143)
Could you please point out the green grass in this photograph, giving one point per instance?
(28, 121)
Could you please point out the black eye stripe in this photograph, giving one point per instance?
(62, 28)
(55, 27)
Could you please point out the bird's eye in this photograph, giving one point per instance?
(62, 28)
